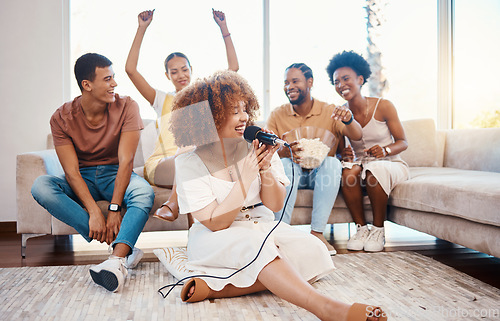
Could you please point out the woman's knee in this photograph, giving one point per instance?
(351, 177)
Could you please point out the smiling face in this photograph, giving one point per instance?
(297, 88)
(347, 83)
(235, 123)
(179, 72)
(102, 88)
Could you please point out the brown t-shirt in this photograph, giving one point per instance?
(284, 119)
(95, 145)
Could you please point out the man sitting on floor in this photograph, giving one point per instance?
(95, 138)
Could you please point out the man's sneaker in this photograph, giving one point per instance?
(133, 258)
(110, 274)
(357, 241)
(376, 240)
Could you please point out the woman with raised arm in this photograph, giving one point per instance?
(159, 168)
(373, 162)
(231, 188)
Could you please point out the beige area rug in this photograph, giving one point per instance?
(407, 285)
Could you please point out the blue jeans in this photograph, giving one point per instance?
(56, 196)
(324, 180)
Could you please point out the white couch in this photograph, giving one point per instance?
(453, 193)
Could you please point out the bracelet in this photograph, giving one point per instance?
(262, 171)
(224, 36)
(350, 120)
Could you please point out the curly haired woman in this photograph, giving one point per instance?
(231, 188)
(373, 161)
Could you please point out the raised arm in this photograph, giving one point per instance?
(138, 80)
(232, 59)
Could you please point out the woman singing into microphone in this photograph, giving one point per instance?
(231, 188)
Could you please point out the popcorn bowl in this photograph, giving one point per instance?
(316, 144)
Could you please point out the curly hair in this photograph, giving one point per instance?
(223, 91)
(352, 60)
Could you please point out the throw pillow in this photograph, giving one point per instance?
(174, 260)
(422, 148)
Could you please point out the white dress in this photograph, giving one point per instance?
(389, 171)
(223, 252)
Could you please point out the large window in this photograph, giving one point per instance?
(313, 33)
(310, 32)
(108, 27)
(476, 62)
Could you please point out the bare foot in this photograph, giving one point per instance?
(191, 291)
(330, 247)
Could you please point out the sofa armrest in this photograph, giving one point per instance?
(31, 217)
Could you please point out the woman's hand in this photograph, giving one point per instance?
(220, 19)
(375, 151)
(249, 166)
(145, 18)
(348, 154)
(264, 153)
(342, 113)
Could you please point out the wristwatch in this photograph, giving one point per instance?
(387, 150)
(114, 208)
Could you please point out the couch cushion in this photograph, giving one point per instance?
(475, 149)
(471, 195)
(422, 143)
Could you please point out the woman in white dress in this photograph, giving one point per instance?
(232, 188)
(373, 162)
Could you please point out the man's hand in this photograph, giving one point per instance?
(113, 226)
(97, 227)
(285, 151)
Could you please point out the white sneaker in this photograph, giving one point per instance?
(110, 274)
(376, 240)
(133, 258)
(357, 241)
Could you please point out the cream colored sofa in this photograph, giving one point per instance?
(454, 192)
(454, 189)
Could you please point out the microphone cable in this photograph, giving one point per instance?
(173, 285)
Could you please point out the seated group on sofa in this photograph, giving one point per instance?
(240, 187)
(228, 185)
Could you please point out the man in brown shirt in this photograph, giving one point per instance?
(304, 110)
(95, 138)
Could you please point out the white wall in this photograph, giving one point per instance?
(33, 74)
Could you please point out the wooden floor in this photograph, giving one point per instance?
(69, 250)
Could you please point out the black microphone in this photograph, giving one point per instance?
(254, 132)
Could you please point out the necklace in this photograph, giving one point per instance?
(366, 110)
(224, 164)
(365, 115)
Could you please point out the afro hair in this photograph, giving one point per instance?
(349, 59)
